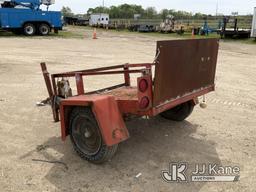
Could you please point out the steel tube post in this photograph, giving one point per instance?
(79, 84)
(127, 75)
(47, 79)
(50, 91)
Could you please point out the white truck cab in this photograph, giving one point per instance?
(99, 19)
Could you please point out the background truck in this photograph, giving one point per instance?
(99, 19)
(25, 16)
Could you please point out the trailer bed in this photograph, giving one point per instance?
(123, 93)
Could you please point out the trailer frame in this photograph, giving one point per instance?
(195, 71)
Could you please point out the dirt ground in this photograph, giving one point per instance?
(224, 133)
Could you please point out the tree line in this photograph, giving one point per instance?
(127, 11)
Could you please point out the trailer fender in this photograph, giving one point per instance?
(106, 112)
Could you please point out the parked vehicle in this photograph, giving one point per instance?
(95, 121)
(234, 31)
(170, 25)
(133, 28)
(167, 26)
(79, 21)
(206, 29)
(146, 28)
(99, 19)
(25, 16)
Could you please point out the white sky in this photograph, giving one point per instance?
(203, 6)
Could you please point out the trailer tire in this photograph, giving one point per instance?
(179, 113)
(44, 29)
(29, 29)
(86, 137)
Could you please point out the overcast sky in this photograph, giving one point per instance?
(203, 6)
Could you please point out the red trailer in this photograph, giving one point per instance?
(95, 121)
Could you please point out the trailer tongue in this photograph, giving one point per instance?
(184, 70)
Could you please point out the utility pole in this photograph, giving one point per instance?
(103, 3)
(217, 7)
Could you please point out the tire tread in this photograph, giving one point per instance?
(105, 153)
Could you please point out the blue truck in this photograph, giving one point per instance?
(25, 16)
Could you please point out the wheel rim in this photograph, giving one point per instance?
(44, 30)
(29, 30)
(86, 136)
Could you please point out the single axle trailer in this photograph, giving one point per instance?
(95, 121)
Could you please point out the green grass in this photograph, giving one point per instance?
(164, 35)
(61, 34)
(185, 35)
(6, 34)
(67, 34)
(78, 32)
